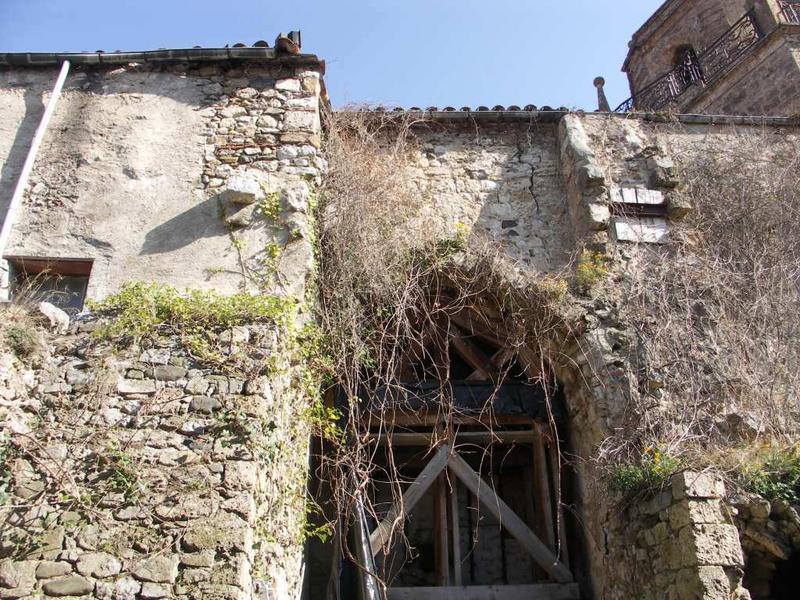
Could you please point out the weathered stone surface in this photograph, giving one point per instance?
(168, 373)
(155, 590)
(98, 564)
(48, 569)
(157, 569)
(19, 575)
(204, 404)
(697, 485)
(136, 386)
(73, 585)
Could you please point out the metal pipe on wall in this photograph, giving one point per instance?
(22, 182)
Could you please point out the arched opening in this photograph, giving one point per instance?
(469, 487)
(768, 578)
(686, 65)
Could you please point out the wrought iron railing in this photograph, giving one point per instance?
(710, 65)
(790, 11)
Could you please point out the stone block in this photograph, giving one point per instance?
(689, 484)
(598, 215)
(155, 356)
(706, 583)
(204, 404)
(686, 513)
(136, 386)
(679, 206)
(646, 230)
(241, 475)
(288, 85)
(168, 373)
(48, 569)
(72, 585)
(243, 189)
(18, 575)
(98, 564)
(224, 532)
(155, 590)
(157, 569)
(717, 544)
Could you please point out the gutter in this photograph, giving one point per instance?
(22, 182)
(46, 59)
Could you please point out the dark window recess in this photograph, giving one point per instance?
(62, 282)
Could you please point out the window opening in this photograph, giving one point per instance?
(61, 282)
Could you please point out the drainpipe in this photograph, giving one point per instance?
(22, 182)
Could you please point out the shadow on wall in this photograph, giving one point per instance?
(200, 221)
(12, 167)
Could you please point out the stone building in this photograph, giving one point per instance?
(139, 473)
(717, 57)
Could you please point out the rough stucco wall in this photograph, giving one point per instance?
(501, 180)
(122, 175)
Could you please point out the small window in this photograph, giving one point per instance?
(59, 281)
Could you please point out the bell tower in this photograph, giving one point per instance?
(717, 57)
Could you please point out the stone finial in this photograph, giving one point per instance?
(602, 101)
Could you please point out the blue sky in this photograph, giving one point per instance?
(406, 53)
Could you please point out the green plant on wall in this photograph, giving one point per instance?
(647, 476)
(591, 269)
(774, 474)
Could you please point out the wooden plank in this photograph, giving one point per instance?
(455, 531)
(555, 468)
(471, 437)
(544, 498)
(549, 591)
(440, 526)
(367, 581)
(412, 495)
(431, 418)
(508, 519)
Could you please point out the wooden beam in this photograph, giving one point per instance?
(555, 468)
(470, 437)
(468, 321)
(471, 354)
(431, 418)
(508, 519)
(440, 527)
(411, 496)
(550, 591)
(455, 531)
(544, 497)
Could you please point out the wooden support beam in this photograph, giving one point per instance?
(508, 519)
(544, 497)
(466, 437)
(455, 531)
(412, 495)
(550, 591)
(440, 531)
(472, 355)
(474, 325)
(555, 468)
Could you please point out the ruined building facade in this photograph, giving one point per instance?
(127, 474)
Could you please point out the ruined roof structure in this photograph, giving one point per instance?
(492, 352)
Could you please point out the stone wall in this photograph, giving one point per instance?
(681, 544)
(147, 474)
(132, 173)
(499, 179)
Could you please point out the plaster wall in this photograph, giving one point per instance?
(130, 174)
